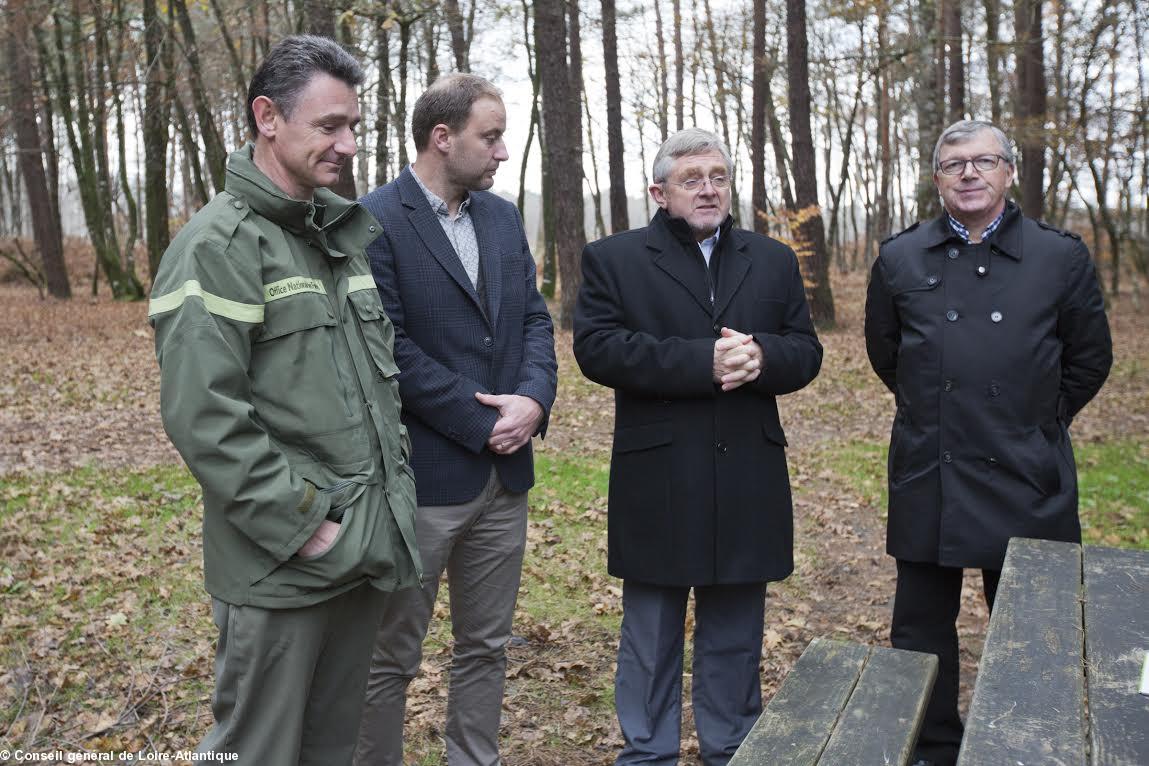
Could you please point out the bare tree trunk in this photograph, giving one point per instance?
(562, 129)
(595, 189)
(382, 99)
(811, 234)
(678, 66)
(1031, 104)
(930, 106)
(157, 117)
(460, 44)
(956, 63)
(619, 216)
(993, 58)
(758, 120)
(663, 93)
(45, 218)
(212, 142)
(777, 142)
(882, 82)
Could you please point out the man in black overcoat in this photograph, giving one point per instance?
(990, 330)
(697, 326)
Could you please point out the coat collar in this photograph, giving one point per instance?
(426, 224)
(677, 253)
(320, 216)
(1006, 238)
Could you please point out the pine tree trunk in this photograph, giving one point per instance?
(619, 215)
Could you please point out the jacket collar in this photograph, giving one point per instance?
(1005, 239)
(677, 253)
(247, 182)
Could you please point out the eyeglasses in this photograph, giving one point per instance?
(982, 164)
(694, 184)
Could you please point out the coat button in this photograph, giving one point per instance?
(717, 328)
(931, 280)
(952, 253)
(981, 271)
(949, 385)
(488, 341)
(993, 389)
(237, 205)
(952, 315)
(721, 447)
(947, 457)
(992, 461)
(371, 229)
(995, 316)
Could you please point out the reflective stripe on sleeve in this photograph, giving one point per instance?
(282, 288)
(240, 312)
(360, 282)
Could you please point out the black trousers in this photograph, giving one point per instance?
(926, 608)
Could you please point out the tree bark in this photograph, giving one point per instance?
(679, 66)
(157, 117)
(619, 214)
(562, 127)
(811, 233)
(930, 106)
(1031, 100)
(45, 219)
(956, 63)
(993, 58)
(758, 119)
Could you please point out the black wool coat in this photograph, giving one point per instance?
(990, 350)
(699, 492)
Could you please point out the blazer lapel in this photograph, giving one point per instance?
(672, 258)
(732, 270)
(490, 255)
(426, 224)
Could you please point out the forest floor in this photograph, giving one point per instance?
(106, 640)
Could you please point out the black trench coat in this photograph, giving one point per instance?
(990, 350)
(699, 492)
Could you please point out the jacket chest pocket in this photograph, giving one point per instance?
(377, 330)
(293, 360)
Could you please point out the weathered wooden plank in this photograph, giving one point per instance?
(1116, 639)
(795, 726)
(881, 721)
(1028, 705)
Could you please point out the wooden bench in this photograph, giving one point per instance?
(1059, 674)
(843, 704)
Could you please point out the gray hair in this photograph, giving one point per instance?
(448, 102)
(291, 64)
(964, 130)
(687, 143)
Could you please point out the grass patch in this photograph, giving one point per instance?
(1113, 481)
(1113, 485)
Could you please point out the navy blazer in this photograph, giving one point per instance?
(449, 343)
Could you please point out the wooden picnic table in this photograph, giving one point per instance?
(1059, 675)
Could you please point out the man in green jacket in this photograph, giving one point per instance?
(278, 389)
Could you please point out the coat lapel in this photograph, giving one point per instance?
(732, 270)
(676, 262)
(490, 255)
(426, 224)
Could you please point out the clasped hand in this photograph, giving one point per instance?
(519, 418)
(738, 359)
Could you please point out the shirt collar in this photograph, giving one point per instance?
(435, 201)
(963, 232)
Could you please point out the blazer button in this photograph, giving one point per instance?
(717, 328)
(931, 280)
(721, 446)
(488, 341)
(947, 457)
(952, 253)
(952, 315)
(949, 385)
(992, 461)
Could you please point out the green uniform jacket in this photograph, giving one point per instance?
(278, 389)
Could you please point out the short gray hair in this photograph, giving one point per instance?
(686, 143)
(289, 67)
(964, 130)
(448, 102)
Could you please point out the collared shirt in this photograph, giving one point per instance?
(460, 230)
(963, 232)
(707, 247)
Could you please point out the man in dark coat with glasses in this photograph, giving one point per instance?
(990, 330)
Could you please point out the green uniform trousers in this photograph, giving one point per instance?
(290, 682)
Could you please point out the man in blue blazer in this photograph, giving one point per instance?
(477, 374)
